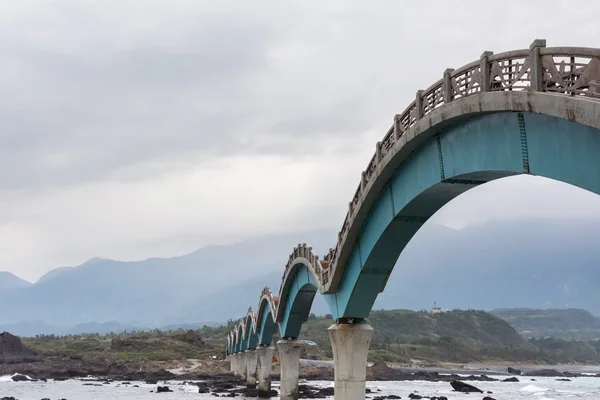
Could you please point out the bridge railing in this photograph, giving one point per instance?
(571, 71)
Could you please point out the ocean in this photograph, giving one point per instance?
(542, 388)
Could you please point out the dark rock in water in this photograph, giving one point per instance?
(545, 373)
(8, 398)
(438, 398)
(415, 396)
(151, 381)
(512, 379)
(269, 394)
(464, 387)
(163, 389)
(514, 371)
(20, 378)
(488, 398)
(563, 379)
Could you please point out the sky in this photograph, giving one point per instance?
(133, 129)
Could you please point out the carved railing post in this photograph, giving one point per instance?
(447, 85)
(377, 153)
(419, 105)
(484, 70)
(536, 72)
(397, 129)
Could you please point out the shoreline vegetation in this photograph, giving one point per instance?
(406, 345)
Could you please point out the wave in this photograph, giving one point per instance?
(533, 389)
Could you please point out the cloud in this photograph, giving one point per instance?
(126, 122)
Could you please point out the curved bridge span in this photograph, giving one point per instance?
(533, 111)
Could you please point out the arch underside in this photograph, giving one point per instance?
(265, 325)
(251, 337)
(465, 154)
(296, 303)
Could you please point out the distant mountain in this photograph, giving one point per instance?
(9, 281)
(211, 284)
(535, 263)
(565, 323)
(53, 273)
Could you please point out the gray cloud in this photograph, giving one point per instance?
(127, 122)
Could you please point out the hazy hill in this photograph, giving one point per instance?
(535, 263)
(157, 291)
(563, 323)
(9, 281)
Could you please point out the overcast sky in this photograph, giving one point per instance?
(132, 129)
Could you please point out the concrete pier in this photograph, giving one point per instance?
(350, 345)
(265, 361)
(289, 354)
(242, 365)
(251, 367)
(235, 364)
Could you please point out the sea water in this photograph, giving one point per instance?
(543, 388)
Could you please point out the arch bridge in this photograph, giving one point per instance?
(532, 111)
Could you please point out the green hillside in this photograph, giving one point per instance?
(567, 323)
(406, 337)
(400, 336)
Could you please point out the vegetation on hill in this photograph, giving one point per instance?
(567, 323)
(400, 336)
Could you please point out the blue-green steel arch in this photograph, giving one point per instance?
(297, 295)
(469, 151)
(265, 322)
(251, 336)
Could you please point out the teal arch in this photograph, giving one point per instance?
(473, 150)
(265, 324)
(251, 337)
(299, 291)
(241, 347)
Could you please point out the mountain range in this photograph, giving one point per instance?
(537, 263)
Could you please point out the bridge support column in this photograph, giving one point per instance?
(289, 358)
(251, 367)
(265, 361)
(350, 344)
(243, 370)
(235, 364)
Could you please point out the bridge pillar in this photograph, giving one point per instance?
(235, 364)
(289, 358)
(242, 368)
(251, 366)
(350, 344)
(265, 361)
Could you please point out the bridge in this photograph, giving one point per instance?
(532, 111)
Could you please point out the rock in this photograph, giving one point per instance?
(563, 379)
(464, 387)
(545, 373)
(20, 378)
(438, 398)
(512, 379)
(11, 346)
(514, 371)
(488, 398)
(163, 389)
(415, 396)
